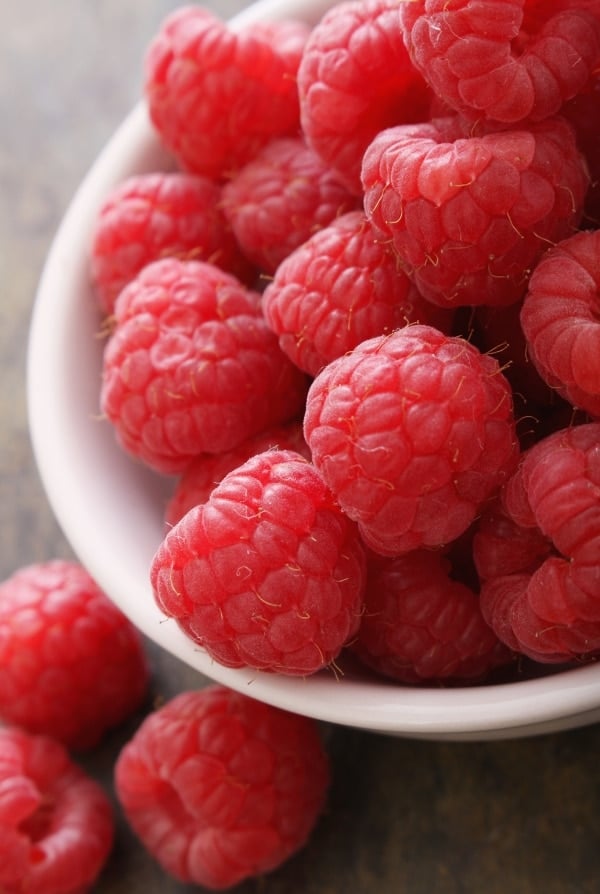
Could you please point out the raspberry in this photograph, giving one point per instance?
(339, 288)
(420, 625)
(216, 96)
(204, 473)
(56, 823)
(545, 600)
(268, 573)
(412, 432)
(220, 788)
(561, 319)
(192, 367)
(71, 664)
(508, 61)
(583, 112)
(151, 216)
(354, 79)
(281, 198)
(470, 215)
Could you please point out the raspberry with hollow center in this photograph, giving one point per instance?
(220, 787)
(412, 432)
(71, 664)
(56, 823)
(268, 573)
(470, 210)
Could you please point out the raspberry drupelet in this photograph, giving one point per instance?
(221, 788)
(72, 666)
(56, 822)
(412, 432)
(268, 573)
(192, 367)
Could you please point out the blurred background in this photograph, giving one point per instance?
(404, 816)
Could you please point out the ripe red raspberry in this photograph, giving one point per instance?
(71, 665)
(202, 475)
(220, 787)
(412, 432)
(192, 367)
(420, 625)
(56, 823)
(583, 112)
(355, 78)
(560, 317)
(216, 96)
(152, 216)
(339, 288)
(507, 61)
(543, 599)
(280, 198)
(468, 214)
(268, 573)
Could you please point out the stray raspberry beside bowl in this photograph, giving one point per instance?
(391, 487)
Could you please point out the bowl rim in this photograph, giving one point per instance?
(59, 446)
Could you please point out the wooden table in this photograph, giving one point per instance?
(404, 816)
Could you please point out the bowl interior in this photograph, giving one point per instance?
(111, 508)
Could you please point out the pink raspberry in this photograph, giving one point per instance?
(71, 665)
(152, 216)
(268, 573)
(355, 78)
(202, 475)
(538, 556)
(339, 288)
(191, 366)
(280, 198)
(507, 61)
(469, 215)
(216, 96)
(56, 823)
(220, 787)
(420, 625)
(412, 432)
(561, 319)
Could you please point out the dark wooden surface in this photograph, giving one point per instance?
(404, 816)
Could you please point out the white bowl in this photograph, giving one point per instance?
(111, 509)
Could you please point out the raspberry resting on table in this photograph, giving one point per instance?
(56, 823)
(215, 95)
(508, 61)
(470, 210)
(268, 573)
(158, 215)
(220, 787)
(339, 288)
(412, 432)
(72, 666)
(192, 367)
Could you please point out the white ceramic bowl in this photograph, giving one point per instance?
(110, 508)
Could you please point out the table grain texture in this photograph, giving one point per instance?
(404, 816)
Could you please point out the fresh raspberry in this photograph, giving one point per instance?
(56, 823)
(216, 96)
(561, 319)
(220, 787)
(355, 78)
(191, 366)
(152, 216)
(202, 475)
(412, 432)
(544, 600)
(280, 198)
(71, 665)
(508, 61)
(339, 288)
(468, 214)
(420, 625)
(268, 573)
(583, 112)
